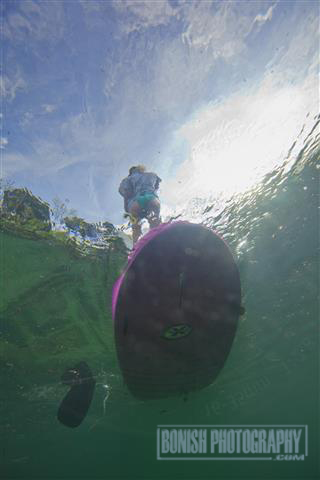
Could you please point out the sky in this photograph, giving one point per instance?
(208, 94)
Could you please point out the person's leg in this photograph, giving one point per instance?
(136, 232)
(135, 211)
(153, 217)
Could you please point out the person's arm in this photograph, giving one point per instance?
(157, 182)
(125, 190)
(124, 187)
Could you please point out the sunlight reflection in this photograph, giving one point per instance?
(234, 144)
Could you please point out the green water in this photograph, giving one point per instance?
(56, 310)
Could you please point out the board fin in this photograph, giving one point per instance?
(75, 405)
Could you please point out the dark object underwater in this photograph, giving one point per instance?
(75, 405)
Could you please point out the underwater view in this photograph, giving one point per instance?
(177, 321)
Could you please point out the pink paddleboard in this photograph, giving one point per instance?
(176, 308)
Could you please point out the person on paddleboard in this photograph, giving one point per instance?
(139, 190)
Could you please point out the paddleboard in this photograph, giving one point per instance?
(175, 310)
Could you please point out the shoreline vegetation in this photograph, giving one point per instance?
(27, 216)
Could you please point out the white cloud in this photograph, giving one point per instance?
(92, 5)
(49, 108)
(10, 86)
(26, 119)
(176, 82)
(303, 51)
(143, 14)
(204, 33)
(77, 136)
(264, 18)
(3, 142)
(35, 21)
(216, 28)
(222, 27)
(219, 27)
(13, 162)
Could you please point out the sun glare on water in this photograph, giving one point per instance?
(234, 144)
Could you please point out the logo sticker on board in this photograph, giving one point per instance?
(176, 331)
